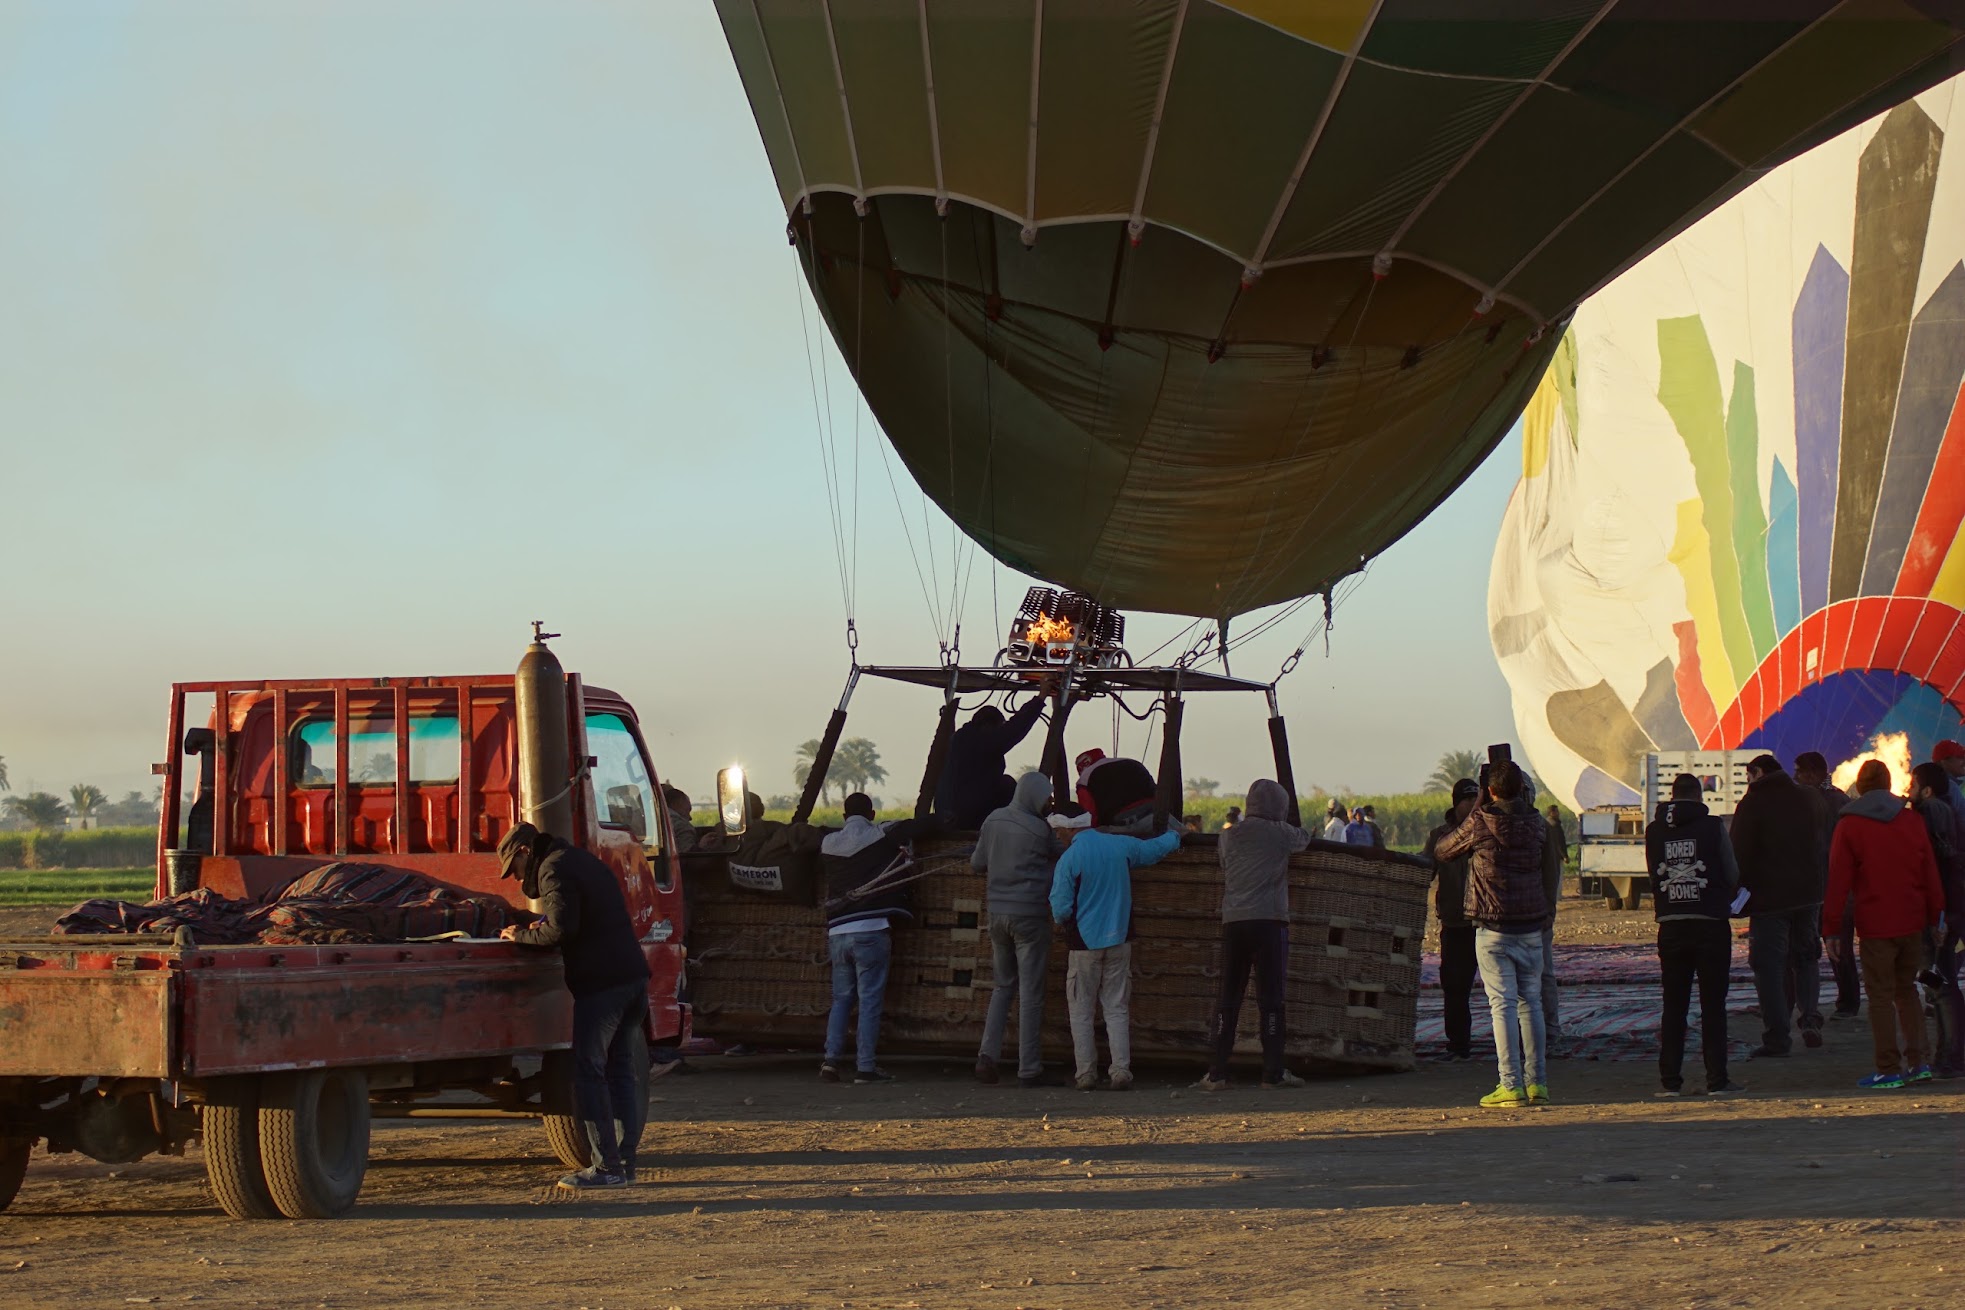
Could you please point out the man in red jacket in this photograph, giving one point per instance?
(1882, 856)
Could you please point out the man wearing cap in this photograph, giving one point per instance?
(1950, 756)
(1457, 960)
(1811, 774)
(1777, 842)
(587, 921)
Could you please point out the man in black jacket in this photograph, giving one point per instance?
(866, 889)
(587, 920)
(975, 779)
(1776, 836)
(1693, 877)
(1811, 774)
(1457, 962)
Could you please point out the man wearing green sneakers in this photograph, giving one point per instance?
(1503, 841)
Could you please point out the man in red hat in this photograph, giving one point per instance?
(1950, 756)
(1085, 763)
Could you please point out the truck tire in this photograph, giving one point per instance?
(13, 1166)
(313, 1140)
(564, 1132)
(568, 1138)
(560, 1115)
(230, 1128)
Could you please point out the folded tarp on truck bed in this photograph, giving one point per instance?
(342, 902)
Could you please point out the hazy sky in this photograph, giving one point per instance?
(344, 338)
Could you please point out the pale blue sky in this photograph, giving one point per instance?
(344, 338)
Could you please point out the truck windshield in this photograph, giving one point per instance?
(622, 788)
(372, 752)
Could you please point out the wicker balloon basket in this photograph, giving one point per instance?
(758, 968)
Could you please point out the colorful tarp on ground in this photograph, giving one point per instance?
(1192, 305)
(1743, 484)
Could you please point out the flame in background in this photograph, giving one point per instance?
(1893, 748)
(1044, 629)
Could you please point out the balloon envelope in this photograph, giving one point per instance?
(1744, 478)
(1227, 296)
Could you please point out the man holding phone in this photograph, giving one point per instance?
(1503, 840)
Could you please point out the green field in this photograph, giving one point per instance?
(66, 887)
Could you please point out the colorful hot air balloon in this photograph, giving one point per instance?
(1191, 305)
(1739, 520)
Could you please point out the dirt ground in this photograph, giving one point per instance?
(763, 1187)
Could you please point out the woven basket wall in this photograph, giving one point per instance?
(759, 973)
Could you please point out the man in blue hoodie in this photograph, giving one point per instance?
(1016, 852)
(1092, 896)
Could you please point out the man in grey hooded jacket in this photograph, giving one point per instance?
(1017, 853)
(1255, 930)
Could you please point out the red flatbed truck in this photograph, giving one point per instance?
(275, 1056)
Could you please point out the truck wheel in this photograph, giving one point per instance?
(313, 1139)
(568, 1138)
(561, 1118)
(230, 1127)
(13, 1166)
(564, 1132)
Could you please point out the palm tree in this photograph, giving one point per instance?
(85, 799)
(857, 764)
(801, 772)
(1453, 766)
(1202, 786)
(4, 784)
(36, 810)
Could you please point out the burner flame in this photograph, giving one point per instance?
(1044, 630)
(1893, 749)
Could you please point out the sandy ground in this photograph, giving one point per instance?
(763, 1187)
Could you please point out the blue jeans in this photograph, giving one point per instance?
(1551, 1015)
(1511, 971)
(859, 968)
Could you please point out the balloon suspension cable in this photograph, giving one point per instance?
(822, 420)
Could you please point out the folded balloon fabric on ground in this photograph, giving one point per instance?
(335, 903)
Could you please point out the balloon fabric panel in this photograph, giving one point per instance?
(1812, 609)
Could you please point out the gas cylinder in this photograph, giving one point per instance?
(545, 764)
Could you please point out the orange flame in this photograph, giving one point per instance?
(1893, 749)
(1044, 629)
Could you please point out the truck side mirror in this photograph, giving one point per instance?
(730, 800)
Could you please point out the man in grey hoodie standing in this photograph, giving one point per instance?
(1017, 853)
(1255, 930)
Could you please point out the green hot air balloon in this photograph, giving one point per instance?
(1191, 306)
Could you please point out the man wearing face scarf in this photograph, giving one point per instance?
(587, 920)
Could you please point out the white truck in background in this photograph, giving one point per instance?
(1610, 844)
